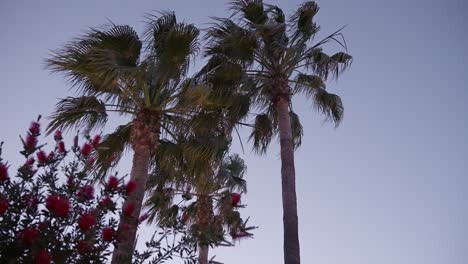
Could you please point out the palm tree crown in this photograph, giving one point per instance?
(272, 58)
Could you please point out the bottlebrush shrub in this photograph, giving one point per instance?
(51, 210)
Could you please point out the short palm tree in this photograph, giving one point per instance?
(269, 58)
(112, 71)
(209, 190)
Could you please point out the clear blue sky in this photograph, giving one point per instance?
(388, 186)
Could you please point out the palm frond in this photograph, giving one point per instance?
(251, 10)
(324, 65)
(262, 133)
(278, 14)
(173, 44)
(160, 207)
(232, 41)
(98, 62)
(158, 26)
(238, 108)
(297, 130)
(302, 20)
(329, 104)
(307, 84)
(221, 72)
(205, 149)
(169, 165)
(85, 112)
(231, 172)
(192, 95)
(274, 39)
(112, 147)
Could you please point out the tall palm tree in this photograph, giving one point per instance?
(113, 70)
(208, 188)
(269, 59)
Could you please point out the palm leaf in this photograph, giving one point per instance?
(231, 172)
(85, 112)
(173, 44)
(262, 133)
(230, 40)
(330, 105)
(252, 10)
(296, 129)
(307, 84)
(302, 20)
(112, 147)
(99, 60)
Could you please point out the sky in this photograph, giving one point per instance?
(389, 185)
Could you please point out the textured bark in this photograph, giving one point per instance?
(288, 182)
(144, 138)
(203, 254)
(204, 222)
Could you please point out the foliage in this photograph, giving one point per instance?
(265, 56)
(167, 244)
(203, 193)
(52, 210)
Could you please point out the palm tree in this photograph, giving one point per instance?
(215, 182)
(112, 71)
(269, 59)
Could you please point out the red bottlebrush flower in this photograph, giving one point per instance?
(86, 221)
(3, 172)
(58, 205)
(235, 199)
(129, 209)
(30, 161)
(96, 140)
(86, 192)
(42, 257)
(112, 183)
(61, 147)
(185, 217)
(83, 247)
(30, 142)
(130, 187)
(3, 205)
(106, 202)
(75, 142)
(42, 157)
(86, 149)
(35, 128)
(29, 236)
(107, 234)
(58, 135)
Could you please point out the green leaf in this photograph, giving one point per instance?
(85, 112)
(262, 132)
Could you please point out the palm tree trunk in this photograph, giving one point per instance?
(203, 254)
(204, 220)
(288, 182)
(144, 139)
